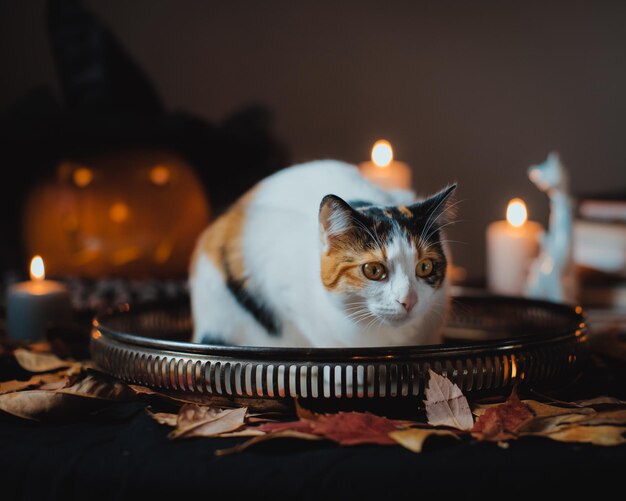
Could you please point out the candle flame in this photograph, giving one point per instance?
(516, 213)
(37, 270)
(382, 153)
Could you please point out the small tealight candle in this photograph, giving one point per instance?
(512, 245)
(384, 171)
(34, 305)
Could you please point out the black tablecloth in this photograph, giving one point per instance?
(121, 453)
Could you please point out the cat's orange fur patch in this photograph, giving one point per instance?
(405, 211)
(223, 239)
(341, 268)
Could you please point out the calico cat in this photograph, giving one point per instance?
(316, 256)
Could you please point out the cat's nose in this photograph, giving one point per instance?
(408, 302)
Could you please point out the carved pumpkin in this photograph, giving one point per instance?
(130, 214)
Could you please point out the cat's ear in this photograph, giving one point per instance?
(336, 219)
(439, 208)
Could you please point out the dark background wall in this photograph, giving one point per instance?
(466, 91)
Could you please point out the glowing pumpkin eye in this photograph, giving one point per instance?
(424, 268)
(374, 271)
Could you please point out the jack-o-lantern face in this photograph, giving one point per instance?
(132, 214)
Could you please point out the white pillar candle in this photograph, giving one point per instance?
(512, 245)
(384, 171)
(34, 305)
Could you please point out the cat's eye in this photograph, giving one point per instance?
(374, 271)
(424, 268)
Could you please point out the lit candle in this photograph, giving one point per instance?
(511, 247)
(37, 304)
(384, 171)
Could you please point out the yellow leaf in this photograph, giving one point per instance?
(597, 435)
(414, 438)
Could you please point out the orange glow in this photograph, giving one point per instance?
(82, 177)
(516, 213)
(37, 269)
(382, 153)
(119, 212)
(160, 175)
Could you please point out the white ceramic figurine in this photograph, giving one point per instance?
(552, 274)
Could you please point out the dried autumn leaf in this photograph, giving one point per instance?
(302, 425)
(165, 396)
(446, 405)
(30, 404)
(165, 418)
(354, 428)
(39, 362)
(614, 417)
(540, 410)
(502, 421)
(599, 401)
(202, 421)
(100, 388)
(41, 381)
(414, 438)
(597, 435)
(266, 437)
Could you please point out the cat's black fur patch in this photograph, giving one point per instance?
(255, 307)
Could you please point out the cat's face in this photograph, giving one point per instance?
(385, 264)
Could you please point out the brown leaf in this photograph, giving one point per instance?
(614, 417)
(345, 428)
(302, 425)
(541, 410)
(264, 438)
(97, 387)
(168, 397)
(502, 421)
(30, 404)
(599, 401)
(597, 435)
(52, 381)
(446, 405)
(414, 438)
(203, 421)
(39, 362)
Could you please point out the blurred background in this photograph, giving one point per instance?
(472, 92)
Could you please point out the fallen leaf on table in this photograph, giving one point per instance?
(414, 438)
(615, 417)
(266, 437)
(598, 401)
(302, 425)
(446, 405)
(98, 387)
(40, 381)
(29, 404)
(354, 428)
(597, 435)
(541, 410)
(345, 428)
(166, 418)
(502, 421)
(164, 395)
(202, 421)
(39, 362)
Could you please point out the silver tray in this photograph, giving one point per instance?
(491, 344)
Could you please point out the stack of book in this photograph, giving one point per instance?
(600, 250)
